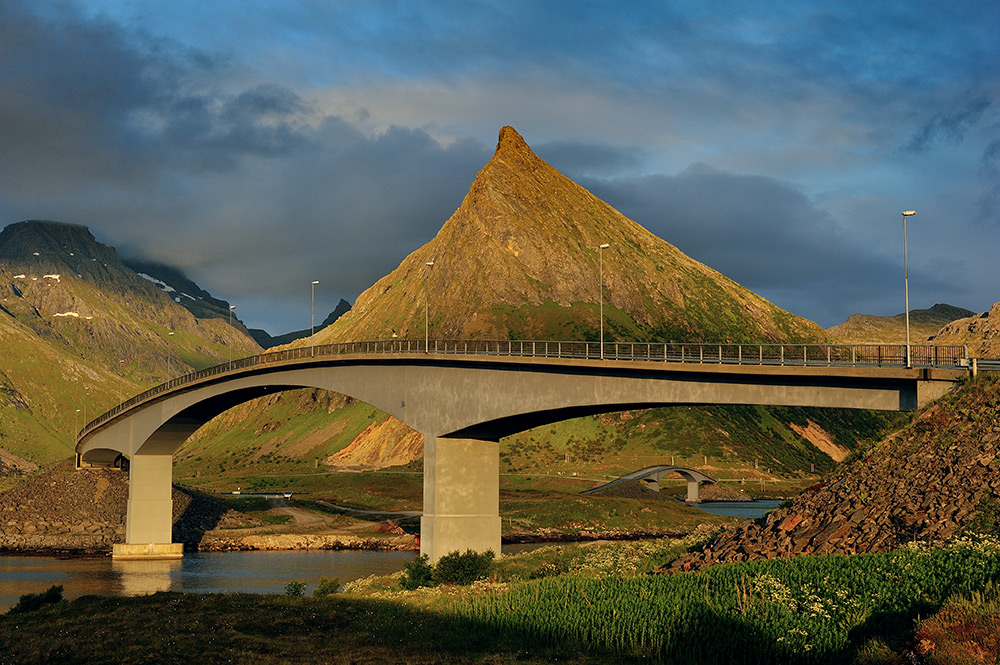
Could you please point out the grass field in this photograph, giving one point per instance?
(568, 604)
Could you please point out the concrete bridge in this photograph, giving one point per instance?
(463, 396)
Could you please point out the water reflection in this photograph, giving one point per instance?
(141, 578)
(741, 509)
(198, 572)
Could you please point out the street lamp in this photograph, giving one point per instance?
(228, 345)
(312, 327)
(427, 338)
(601, 249)
(906, 285)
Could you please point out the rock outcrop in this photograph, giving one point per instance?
(926, 482)
(980, 332)
(65, 510)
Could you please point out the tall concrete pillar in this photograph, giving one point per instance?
(149, 516)
(461, 496)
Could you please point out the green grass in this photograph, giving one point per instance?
(256, 506)
(577, 604)
(541, 511)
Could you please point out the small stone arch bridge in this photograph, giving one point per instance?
(463, 396)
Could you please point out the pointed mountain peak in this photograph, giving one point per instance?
(513, 151)
(522, 257)
(510, 141)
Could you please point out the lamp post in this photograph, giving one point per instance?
(906, 285)
(312, 326)
(427, 337)
(229, 346)
(600, 252)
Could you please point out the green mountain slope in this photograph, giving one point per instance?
(80, 331)
(46, 393)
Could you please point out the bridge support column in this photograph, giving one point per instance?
(692, 496)
(461, 496)
(149, 515)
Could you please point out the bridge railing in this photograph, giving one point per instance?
(857, 355)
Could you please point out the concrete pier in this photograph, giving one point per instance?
(461, 496)
(149, 520)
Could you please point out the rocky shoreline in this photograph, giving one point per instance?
(65, 512)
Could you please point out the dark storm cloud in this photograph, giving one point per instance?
(262, 146)
(767, 236)
(82, 100)
(583, 160)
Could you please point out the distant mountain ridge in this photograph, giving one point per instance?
(181, 289)
(521, 258)
(267, 341)
(872, 329)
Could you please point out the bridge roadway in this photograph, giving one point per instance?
(464, 396)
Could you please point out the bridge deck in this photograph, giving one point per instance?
(703, 357)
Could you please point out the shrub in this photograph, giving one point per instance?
(418, 572)
(456, 568)
(326, 587)
(986, 519)
(30, 602)
(295, 588)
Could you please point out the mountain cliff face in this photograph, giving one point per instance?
(980, 332)
(520, 258)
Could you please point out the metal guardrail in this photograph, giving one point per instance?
(801, 355)
(988, 364)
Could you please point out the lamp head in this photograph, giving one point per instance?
(604, 246)
(908, 213)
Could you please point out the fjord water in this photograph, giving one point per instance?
(225, 572)
(197, 572)
(742, 509)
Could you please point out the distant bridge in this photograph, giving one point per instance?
(463, 396)
(651, 475)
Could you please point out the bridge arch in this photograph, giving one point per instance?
(462, 405)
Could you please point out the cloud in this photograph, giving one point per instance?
(949, 126)
(262, 149)
(768, 236)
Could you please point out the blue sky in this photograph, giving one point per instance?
(261, 145)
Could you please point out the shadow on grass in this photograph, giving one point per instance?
(202, 514)
(186, 628)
